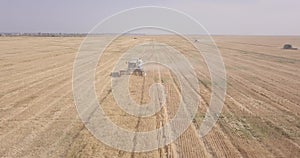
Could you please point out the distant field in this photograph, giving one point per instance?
(260, 118)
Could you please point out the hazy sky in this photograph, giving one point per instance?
(250, 17)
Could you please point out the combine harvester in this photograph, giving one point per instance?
(133, 67)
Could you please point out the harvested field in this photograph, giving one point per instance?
(260, 117)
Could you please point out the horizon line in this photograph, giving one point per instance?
(151, 34)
